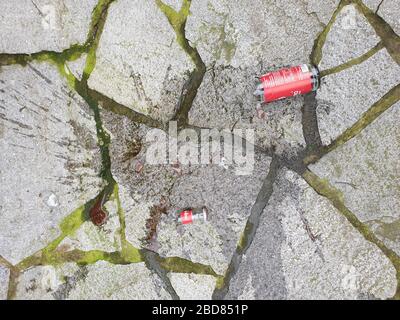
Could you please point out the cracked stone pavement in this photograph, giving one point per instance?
(83, 82)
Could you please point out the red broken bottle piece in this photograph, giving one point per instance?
(97, 215)
(288, 82)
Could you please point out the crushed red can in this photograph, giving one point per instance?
(190, 215)
(288, 82)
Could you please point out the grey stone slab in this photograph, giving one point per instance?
(305, 249)
(30, 26)
(144, 70)
(260, 274)
(98, 281)
(105, 281)
(48, 282)
(243, 34)
(225, 100)
(216, 185)
(50, 160)
(77, 66)
(190, 286)
(91, 237)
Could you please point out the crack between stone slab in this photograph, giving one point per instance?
(109, 104)
(265, 151)
(152, 263)
(353, 62)
(309, 122)
(314, 148)
(316, 54)
(5, 263)
(12, 278)
(189, 91)
(72, 53)
(368, 117)
(389, 38)
(249, 232)
(54, 255)
(325, 189)
(379, 6)
(312, 14)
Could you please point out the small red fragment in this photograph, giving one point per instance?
(189, 215)
(97, 215)
(139, 167)
(186, 216)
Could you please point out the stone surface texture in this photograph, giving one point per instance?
(118, 115)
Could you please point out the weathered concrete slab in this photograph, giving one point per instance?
(30, 26)
(191, 286)
(345, 96)
(143, 70)
(313, 252)
(119, 282)
(50, 160)
(366, 169)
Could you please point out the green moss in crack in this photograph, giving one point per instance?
(389, 38)
(316, 54)
(178, 21)
(353, 62)
(244, 238)
(388, 100)
(180, 265)
(99, 17)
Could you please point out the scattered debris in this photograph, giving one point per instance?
(189, 215)
(133, 148)
(287, 82)
(139, 167)
(52, 201)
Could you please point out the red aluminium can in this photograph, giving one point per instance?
(190, 215)
(287, 82)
